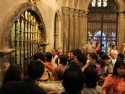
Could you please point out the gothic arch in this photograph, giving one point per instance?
(119, 3)
(11, 18)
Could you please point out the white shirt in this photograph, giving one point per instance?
(54, 86)
(53, 60)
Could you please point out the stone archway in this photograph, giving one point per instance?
(5, 31)
(11, 18)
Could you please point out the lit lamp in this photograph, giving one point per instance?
(35, 1)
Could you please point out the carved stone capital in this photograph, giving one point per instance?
(72, 12)
(6, 51)
(76, 12)
(81, 13)
(65, 11)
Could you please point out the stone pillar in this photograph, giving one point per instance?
(65, 28)
(5, 61)
(81, 29)
(120, 33)
(71, 29)
(76, 29)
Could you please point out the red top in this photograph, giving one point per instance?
(49, 63)
(115, 83)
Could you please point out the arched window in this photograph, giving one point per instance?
(99, 3)
(26, 37)
(102, 22)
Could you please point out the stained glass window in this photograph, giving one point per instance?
(99, 3)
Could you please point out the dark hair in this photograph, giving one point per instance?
(113, 46)
(91, 76)
(39, 55)
(63, 59)
(35, 69)
(110, 44)
(121, 55)
(77, 51)
(81, 58)
(105, 57)
(97, 43)
(94, 56)
(73, 80)
(101, 53)
(13, 73)
(118, 64)
(48, 56)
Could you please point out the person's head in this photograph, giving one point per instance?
(72, 56)
(73, 80)
(48, 56)
(54, 52)
(106, 60)
(80, 59)
(119, 68)
(97, 44)
(110, 45)
(101, 53)
(14, 73)
(77, 51)
(113, 54)
(60, 50)
(120, 56)
(40, 56)
(58, 73)
(91, 41)
(62, 59)
(114, 47)
(93, 58)
(35, 69)
(91, 76)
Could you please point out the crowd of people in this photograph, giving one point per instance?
(95, 72)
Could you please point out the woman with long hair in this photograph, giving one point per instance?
(116, 79)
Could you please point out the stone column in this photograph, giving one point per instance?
(81, 29)
(120, 33)
(5, 61)
(71, 29)
(65, 28)
(76, 29)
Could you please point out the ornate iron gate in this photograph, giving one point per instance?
(102, 22)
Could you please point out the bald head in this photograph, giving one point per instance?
(113, 54)
(58, 73)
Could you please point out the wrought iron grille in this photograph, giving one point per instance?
(26, 37)
(102, 24)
